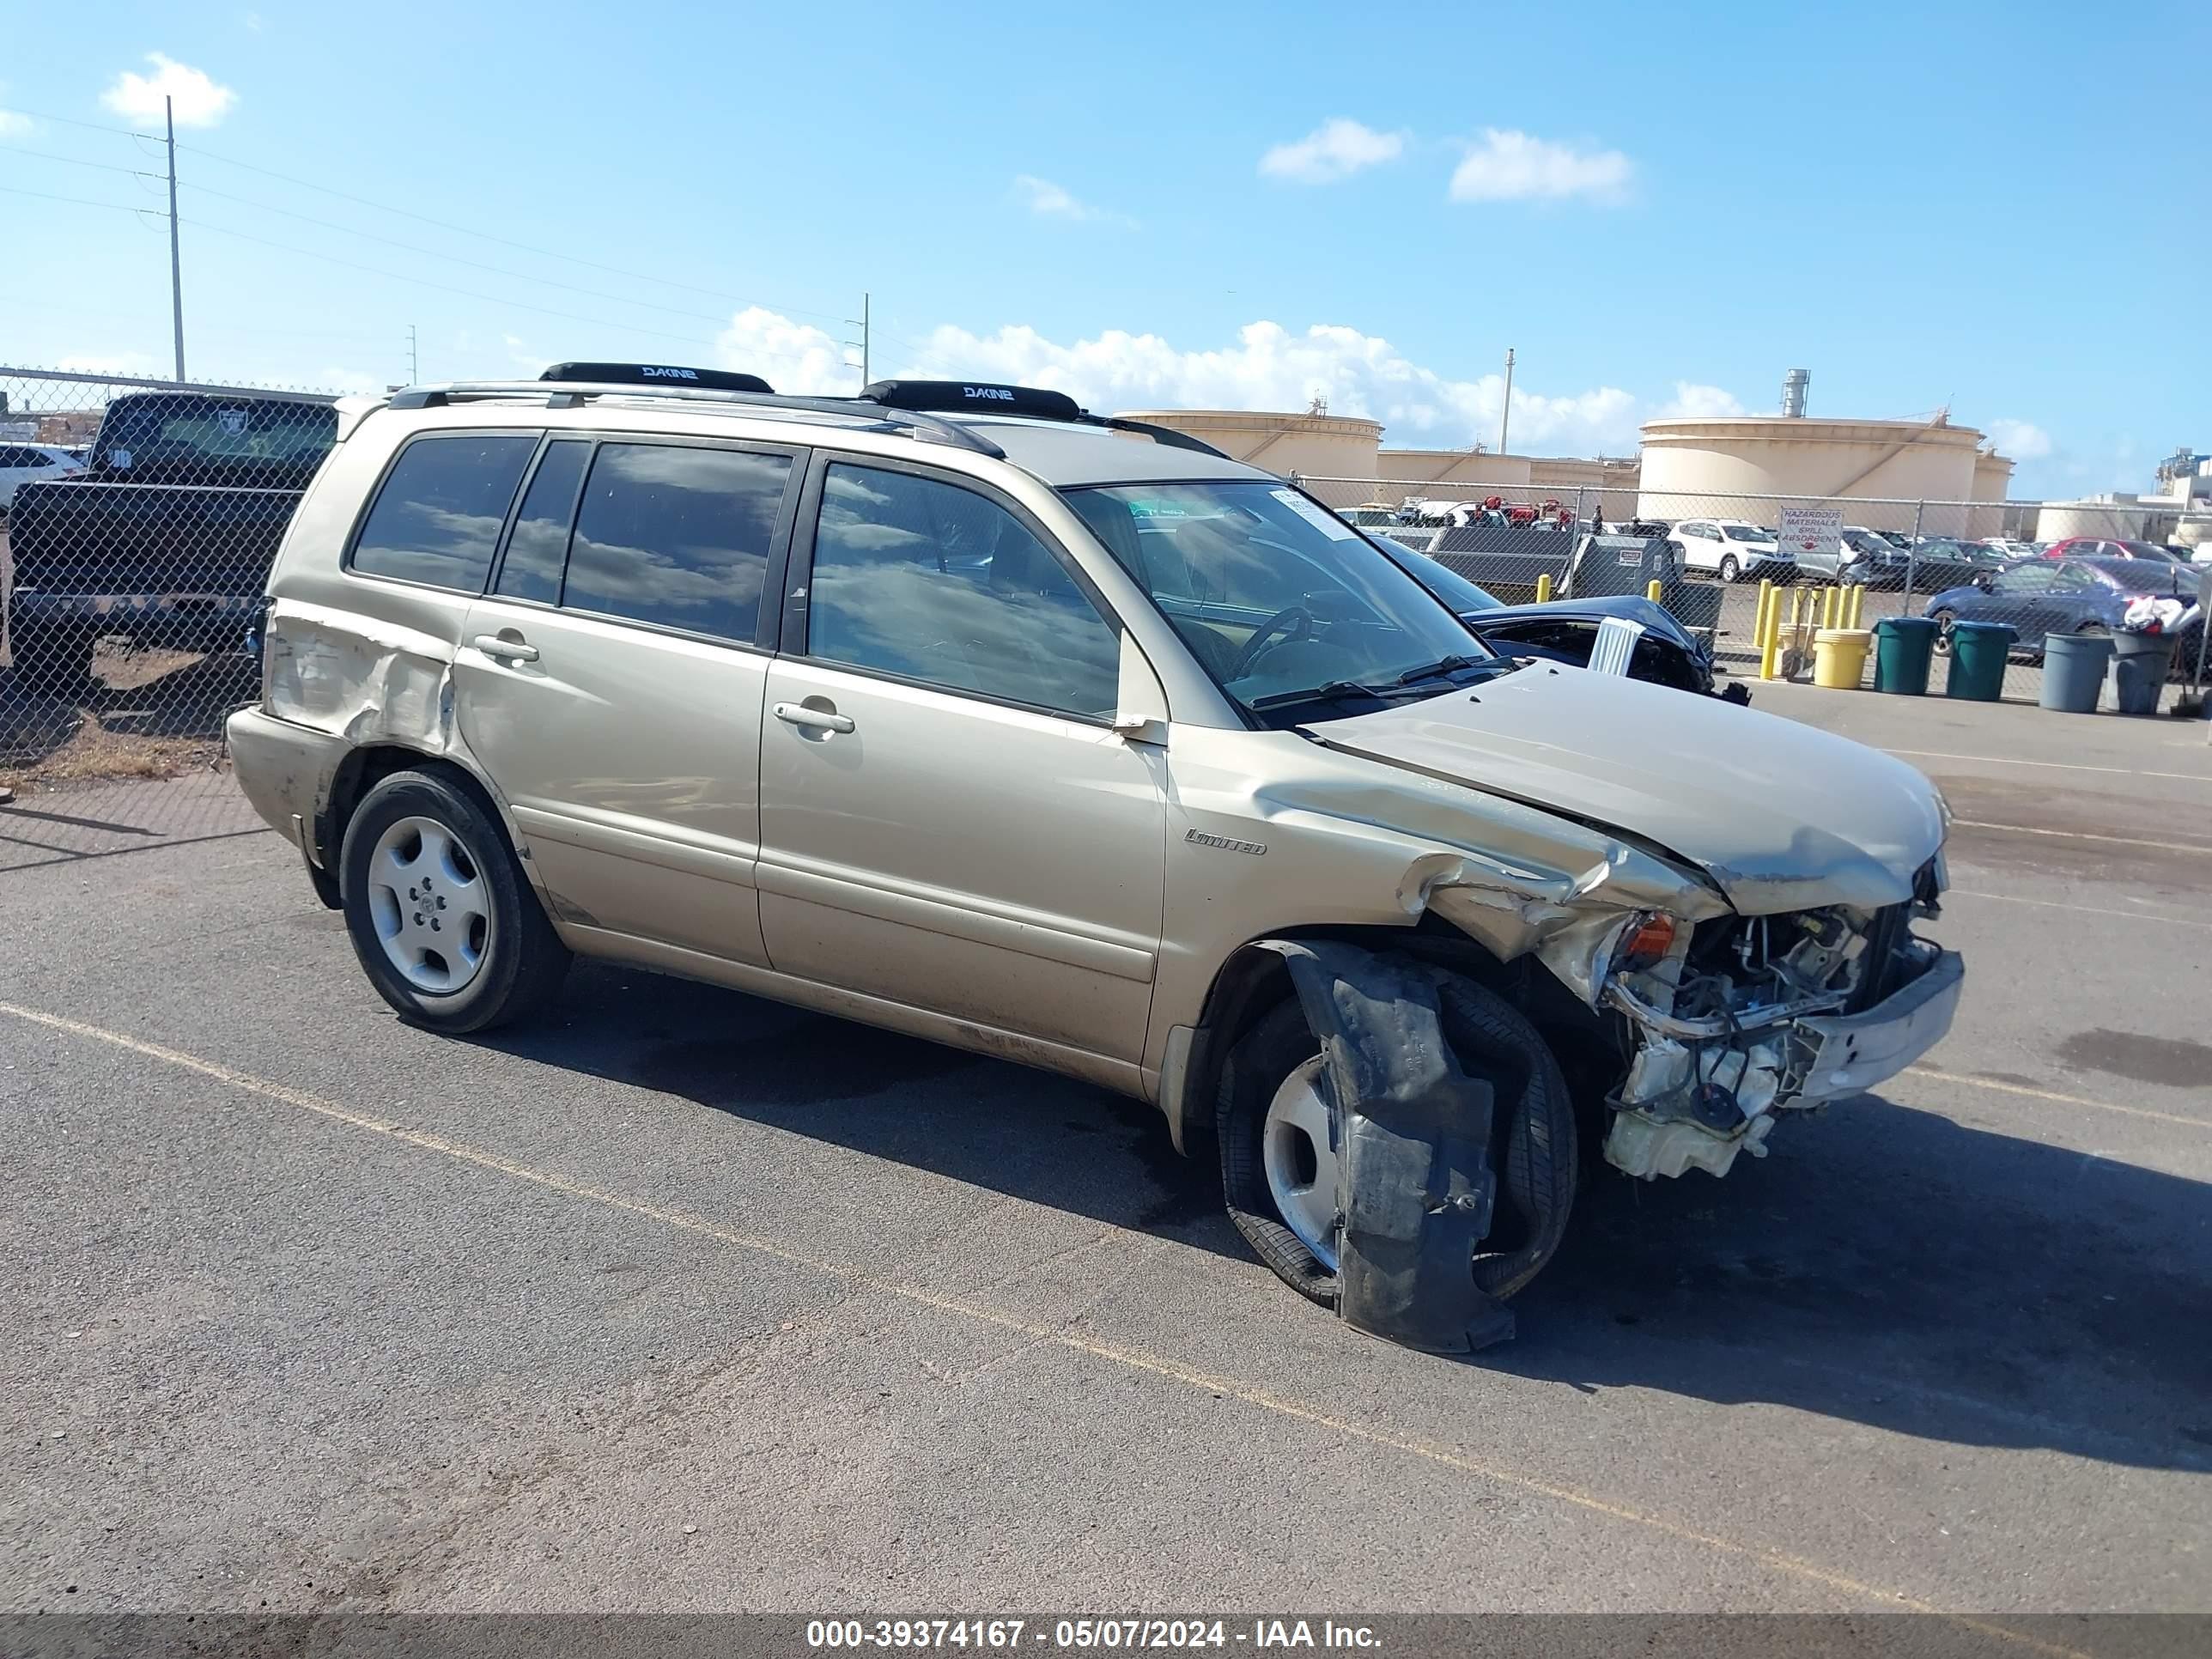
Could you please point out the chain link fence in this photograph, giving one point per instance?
(137, 522)
(2039, 568)
(138, 518)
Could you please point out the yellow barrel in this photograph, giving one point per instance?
(1839, 657)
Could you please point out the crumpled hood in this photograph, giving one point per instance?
(1782, 815)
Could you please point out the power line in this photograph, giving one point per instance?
(435, 253)
(90, 126)
(471, 293)
(71, 161)
(525, 247)
(74, 201)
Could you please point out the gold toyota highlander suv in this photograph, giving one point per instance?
(957, 710)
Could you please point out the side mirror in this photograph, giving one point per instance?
(1982, 579)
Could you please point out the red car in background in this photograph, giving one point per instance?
(2109, 547)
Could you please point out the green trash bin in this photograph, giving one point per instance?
(1979, 650)
(1902, 647)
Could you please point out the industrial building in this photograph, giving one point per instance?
(1687, 465)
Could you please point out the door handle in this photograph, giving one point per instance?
(499, 645)
(814, 720)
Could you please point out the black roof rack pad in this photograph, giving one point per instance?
(974, 398)
(708, 379)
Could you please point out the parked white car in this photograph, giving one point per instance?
(1733, 549)
(22, 464)
(2012, 546)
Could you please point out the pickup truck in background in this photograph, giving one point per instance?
(166, 536)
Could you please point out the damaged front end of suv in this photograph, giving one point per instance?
(1739, 1019)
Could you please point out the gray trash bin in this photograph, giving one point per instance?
(2140, 662)
(2074, 670)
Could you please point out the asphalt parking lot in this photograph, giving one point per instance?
(683, 1301)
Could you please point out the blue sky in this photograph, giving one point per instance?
(1996, 209)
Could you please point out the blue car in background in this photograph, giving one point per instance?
(2040, 596)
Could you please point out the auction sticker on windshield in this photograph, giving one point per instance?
(1320, 518)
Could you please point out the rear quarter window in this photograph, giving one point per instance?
(437, 517)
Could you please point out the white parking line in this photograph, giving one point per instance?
(1167, 1368)
(2053, 1095)
(2084, 834)
(2060, 766)
(2082, 909)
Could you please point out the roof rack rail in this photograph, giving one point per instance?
(1028, 402)
(573, 394)
(915, 407)
(657, 374)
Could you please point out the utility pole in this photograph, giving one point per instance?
(860, 322)
(1505, 414)
(176, 265)
(414, 362)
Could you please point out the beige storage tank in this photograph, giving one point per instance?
(2119, 516)
(1311, 446)
(1691, 466)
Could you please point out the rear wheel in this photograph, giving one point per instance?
(1281, 1138)
(1946, 622)
(443, 921)
(51, 659)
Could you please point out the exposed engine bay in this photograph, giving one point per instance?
(1742, 1017)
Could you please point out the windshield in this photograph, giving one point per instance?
(1746, 532)
(1283, 602)
(1441, 579)
(1865, 541)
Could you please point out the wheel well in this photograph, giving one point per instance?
(1253, 980)
(361, 770)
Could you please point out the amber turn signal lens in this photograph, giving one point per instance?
(1647, 942)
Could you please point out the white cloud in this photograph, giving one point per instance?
(1049, 201)
(1692, 400)
(2020, 440)
(1513, 167)
(1269, 367)
(13, 124)
(793, 357)
(200, 102)
(1335, 150)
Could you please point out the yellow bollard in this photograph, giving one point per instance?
(1764, 615)
(1858, 603)
(1653, 589)
(1827, 607)
(1544, 588)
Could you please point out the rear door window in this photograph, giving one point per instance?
(678, 535)
(438, 517)
(538, 547)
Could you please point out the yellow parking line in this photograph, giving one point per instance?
(2053, 1095)
(1249, 1394)
(2081, 909)
(2084, 834)
(2059, 766)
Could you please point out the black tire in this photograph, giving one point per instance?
(1944, 621)
(51, 659)
(1533, 1138)
(523, 959)
(1730, 570)
(1263, 1057)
